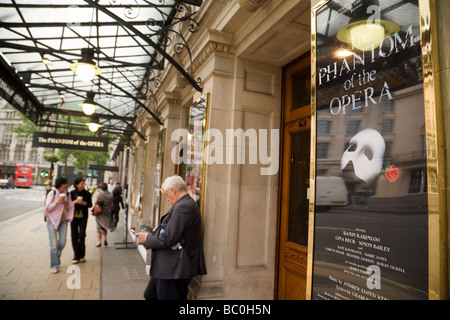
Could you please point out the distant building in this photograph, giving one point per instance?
(16, 150)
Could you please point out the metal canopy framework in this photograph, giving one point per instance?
(130, 41)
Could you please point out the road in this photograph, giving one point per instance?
(14, 202)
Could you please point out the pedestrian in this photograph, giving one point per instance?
(118, 202)
(83, 201)
(104, 219)
(111, 186)
(177, 245)
(58, 212)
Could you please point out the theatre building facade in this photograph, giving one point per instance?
(317, 154)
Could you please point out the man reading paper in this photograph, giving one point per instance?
(177, 245)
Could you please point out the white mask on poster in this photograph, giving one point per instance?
(366, 152)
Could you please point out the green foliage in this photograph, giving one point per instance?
(26, 129)
(84, 159)
(51, 157)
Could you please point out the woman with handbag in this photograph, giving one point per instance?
(103, 218)
(58, 211)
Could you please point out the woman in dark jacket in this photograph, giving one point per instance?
(118, 201)
(82, 200)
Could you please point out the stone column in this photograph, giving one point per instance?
(240, 206)
(215, 64)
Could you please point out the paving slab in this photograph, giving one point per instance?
(108, 274)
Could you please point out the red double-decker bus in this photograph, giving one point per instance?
(24, 176)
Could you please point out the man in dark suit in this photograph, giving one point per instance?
(177, 245)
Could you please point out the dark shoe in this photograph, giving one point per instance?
(106, 243)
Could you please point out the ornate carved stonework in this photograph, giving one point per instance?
(173, 101)
(251, 5)
(212, 48)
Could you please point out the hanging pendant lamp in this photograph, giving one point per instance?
(89, 105)
(94, 124)
(85, 68)
(367, 30)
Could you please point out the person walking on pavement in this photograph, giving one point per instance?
(58, 212)
(104, 219)
(118, 202)
(111, 186)
(177, 245)
(82, 200)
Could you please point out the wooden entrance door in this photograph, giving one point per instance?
(293, 232)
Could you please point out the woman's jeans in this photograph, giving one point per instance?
(57, 242)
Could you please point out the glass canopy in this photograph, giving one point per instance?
(40, 41)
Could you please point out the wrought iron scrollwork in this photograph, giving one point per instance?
(185, 22)
(129, 11)
(168, 28)
(147, 92)
(171, 33)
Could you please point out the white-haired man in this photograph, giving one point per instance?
(177, 245)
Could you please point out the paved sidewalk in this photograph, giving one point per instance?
(123, 275)
(109, 273)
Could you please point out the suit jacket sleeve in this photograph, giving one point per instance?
(179, 220)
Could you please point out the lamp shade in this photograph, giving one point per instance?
(366, 30)
(88, 108)
(85, 72)
(86, 69)
(366, 36)
(89, 105)
(94, 124)
(94, 127)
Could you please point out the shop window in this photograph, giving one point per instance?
(322, 150)
(388, 106)
(4, 154)
(418, 182)
(301, 96)
(423, 145)
(387, 126)
(7, 135)
(158, 175)
(299, 172)
(323, 127)
(192, 164)
(33, 156)
(19, 154)
(352, 127)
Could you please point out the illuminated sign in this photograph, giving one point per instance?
(371, 205)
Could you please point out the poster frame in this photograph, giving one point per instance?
(156, 209)
(435, 137)
(181, 168)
